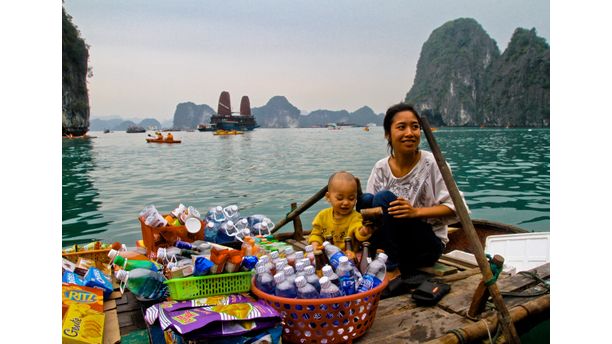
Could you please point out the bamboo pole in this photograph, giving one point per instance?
(303, 207)
(478, 330)
(508, 328)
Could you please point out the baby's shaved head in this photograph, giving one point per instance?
(341, 176)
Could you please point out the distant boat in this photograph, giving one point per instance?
(207, 127)
(225, 119)
(228, 132)
(106, 131)
(333, 126)
(366, 129)
(135, 129)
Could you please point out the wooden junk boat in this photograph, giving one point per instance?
(227, 120)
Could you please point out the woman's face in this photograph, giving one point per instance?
(405, 133)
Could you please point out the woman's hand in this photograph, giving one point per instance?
(401, 208)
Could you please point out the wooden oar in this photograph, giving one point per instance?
(508, 328)
(297, 211)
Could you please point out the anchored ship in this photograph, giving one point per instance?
(225, 119)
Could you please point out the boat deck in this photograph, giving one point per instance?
(398, 318)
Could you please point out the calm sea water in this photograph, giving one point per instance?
(106, 181)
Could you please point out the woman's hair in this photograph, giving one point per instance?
(391, 112)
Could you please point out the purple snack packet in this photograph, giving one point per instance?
(152, 313)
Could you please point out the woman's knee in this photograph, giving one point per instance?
(364, 201)
(383, 198)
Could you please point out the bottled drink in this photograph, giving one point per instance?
(299, 255)
(346, 275)
(333, 254)
(129, 264)
(328, 289)
(319, 262)
(242, 224)
(365, 254)
(348, 250)
(227, 232)
(311, 277)
(290, 255)
(264, 227)
(289, 273)
(254, 219)
(331, 275)
(375, 273)
(309, 253)
(210, 233)
(216, 214)
(284, 288)
(173, 253)
(145, 284)
(299, 269)
(304, 289)
(231, 213)
(126, 254)
(264, 280)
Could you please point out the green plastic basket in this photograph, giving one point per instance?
(189, 288)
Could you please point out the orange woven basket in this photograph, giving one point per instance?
(334, 320)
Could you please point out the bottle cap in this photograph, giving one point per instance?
(299, 266)
(264, 258)
(288, 250)
(308, 248)
(210, 225)
(219, 209)
(343, 259)
(327, 270)
(279, 277)
(299, 255)
(193, 225)
(261, 269)
(309, 270)
(121, 275)
(280, 266)
(123, 248)
(325, 243)
(274, 255)
(288, 270)
(382, 256)
(324, 282)
(118, 260)
(300, 281)
(112, 254)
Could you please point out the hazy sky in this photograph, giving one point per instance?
(148, 56)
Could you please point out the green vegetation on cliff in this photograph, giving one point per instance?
(75, 100)
(462, 80)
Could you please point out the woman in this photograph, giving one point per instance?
(409, 187)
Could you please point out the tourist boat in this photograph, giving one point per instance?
(207, 127)
(225, 119)
(227, 132)
(154, 140)
(135, 129)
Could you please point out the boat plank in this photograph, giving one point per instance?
(112, 333)
(519, 281)
(413, 325)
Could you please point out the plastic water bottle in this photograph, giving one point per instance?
(304, 289)
(227, 232)
(283, 287)
(231, 213)
(375, 273)
(333, 254)
(242, 234)
(346, 274)
(290, 255)
(264, 227)
(311, 277)
(210, 233)
(254, 219)
(331, 275)
(328, 289)
(264, 280)
(216, 214)
(289, 273)
(131, 264)
(309, 253)
(299, 269)
(145, 284)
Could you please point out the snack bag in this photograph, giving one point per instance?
(95, 279)
(83, 314)
(219, 258)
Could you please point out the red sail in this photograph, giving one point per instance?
(245, 106)
(224, 108)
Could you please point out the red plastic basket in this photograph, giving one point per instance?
(335, 320)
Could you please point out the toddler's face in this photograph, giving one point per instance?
(342, 195)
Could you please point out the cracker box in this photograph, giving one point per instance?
(82, 314)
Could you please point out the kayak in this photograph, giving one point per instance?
(228, 132)
(162, 141)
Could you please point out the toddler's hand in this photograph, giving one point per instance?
(365, 231)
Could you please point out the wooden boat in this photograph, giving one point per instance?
(398, 318)
(228, 132)
(162, 141)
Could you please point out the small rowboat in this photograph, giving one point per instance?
(162, 141)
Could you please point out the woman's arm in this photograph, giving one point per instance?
(401, 208)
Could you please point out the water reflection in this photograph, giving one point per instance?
(81, 219)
